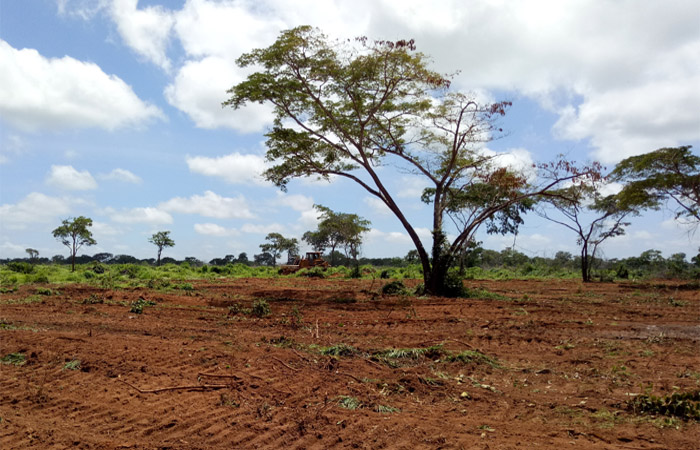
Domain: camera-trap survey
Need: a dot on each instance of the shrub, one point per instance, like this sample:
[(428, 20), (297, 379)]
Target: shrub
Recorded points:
[(138, 305), (260, 308), (394, 288), (20, 267), (314, 272), (454, 286)]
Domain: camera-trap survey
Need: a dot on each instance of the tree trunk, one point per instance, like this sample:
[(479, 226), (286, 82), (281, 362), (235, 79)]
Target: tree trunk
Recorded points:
[(158, 261), (585, 269)]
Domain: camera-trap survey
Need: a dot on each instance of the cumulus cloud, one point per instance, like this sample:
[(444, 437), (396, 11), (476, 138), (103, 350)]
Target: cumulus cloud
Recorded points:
[(625, 89), (146, 215), (200, 87), (146, 31), (32, 209), (105, 229), (121, 175), (235, 168), (38, 93), (70, 179), (210, 205), (212, 229)]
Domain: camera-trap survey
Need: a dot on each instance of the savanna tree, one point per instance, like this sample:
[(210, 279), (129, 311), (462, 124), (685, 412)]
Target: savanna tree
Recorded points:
[(277, 244), (74, 233), (662, 175), (594, 218), (337, 230), (345, 109), (161, 240), (33, 254)]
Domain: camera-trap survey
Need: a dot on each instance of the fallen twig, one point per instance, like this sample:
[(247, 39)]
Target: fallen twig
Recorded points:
[(177, 388), (284, 364), (348, 375)]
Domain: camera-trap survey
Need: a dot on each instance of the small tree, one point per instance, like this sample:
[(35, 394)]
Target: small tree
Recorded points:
[(277, 244), (593, 217), (161, 240), (33, 254), (337, 229), (74, 233)]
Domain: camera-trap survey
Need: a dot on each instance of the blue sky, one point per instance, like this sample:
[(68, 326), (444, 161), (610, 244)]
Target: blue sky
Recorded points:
[(111, 110)]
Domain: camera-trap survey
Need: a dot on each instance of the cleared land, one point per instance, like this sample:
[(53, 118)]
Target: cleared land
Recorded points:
[(524, 364)]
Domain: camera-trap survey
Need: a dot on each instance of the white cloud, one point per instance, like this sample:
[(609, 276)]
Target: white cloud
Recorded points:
[(212, 229), (68, 178), (377, 206), (411, 187), (83, 9), (629, 121), (104, 229), (32, 209), (210, 205), (225, 29), (39, 93), (297, 202), (147, 215), (263, 228), (121, 175), (234, 168), (146, 31), (199, 89)]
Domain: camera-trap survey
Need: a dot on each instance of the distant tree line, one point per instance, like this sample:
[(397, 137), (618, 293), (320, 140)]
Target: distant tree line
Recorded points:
[(649, 263)]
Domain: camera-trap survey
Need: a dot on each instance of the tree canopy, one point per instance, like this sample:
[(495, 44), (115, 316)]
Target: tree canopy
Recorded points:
[(74, 233), (665, 174), (337, 230), (277, 244), (347, 108), (161, 240)]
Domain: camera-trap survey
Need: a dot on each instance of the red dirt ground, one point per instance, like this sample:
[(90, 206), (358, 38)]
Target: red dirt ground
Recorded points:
[(569, 357)]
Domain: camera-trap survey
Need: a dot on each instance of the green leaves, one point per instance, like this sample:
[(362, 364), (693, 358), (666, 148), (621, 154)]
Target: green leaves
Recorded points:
[(664, 174)]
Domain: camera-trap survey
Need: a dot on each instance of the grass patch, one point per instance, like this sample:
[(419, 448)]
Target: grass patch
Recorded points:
[(483, 294), (347, 402), (16, 359), (472, 357), (433, 352), (338, 350), (72, 365)]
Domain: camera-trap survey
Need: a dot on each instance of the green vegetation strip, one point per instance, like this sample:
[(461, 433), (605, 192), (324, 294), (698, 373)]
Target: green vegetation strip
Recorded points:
[(394, 357), (684, 405)]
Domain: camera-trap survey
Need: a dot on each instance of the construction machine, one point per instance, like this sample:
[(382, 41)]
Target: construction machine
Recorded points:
[(312, 259)]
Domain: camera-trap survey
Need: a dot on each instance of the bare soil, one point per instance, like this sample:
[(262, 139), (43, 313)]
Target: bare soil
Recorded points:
[(197, 370)]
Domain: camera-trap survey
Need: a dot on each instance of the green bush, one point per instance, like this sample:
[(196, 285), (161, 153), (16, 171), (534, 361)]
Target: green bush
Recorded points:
[(394, 288), (260, 308), (454, 286), (20, 267)]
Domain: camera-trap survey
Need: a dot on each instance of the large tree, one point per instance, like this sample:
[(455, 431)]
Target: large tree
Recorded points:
[(347, 108), (161, 240), (74, 233), (662, 175), (277, 244)]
